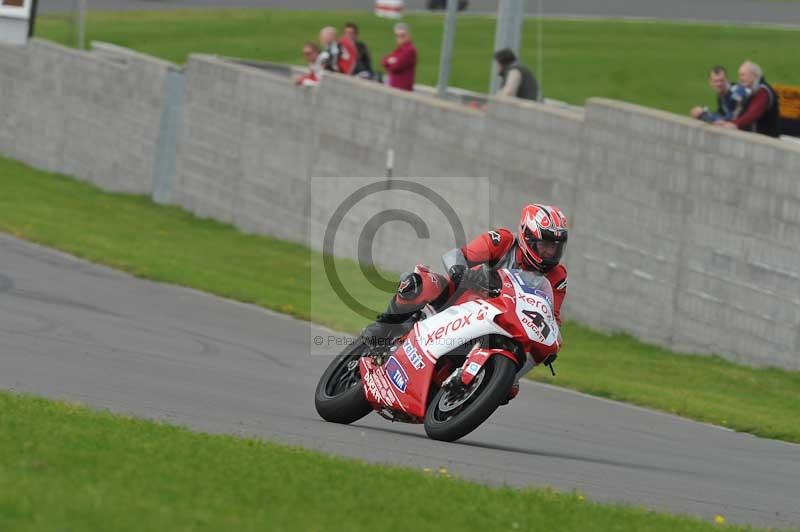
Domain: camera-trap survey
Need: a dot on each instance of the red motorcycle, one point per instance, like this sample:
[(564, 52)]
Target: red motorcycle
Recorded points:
[(453, 368)]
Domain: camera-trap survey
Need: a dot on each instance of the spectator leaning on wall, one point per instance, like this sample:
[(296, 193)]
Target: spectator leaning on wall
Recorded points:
[(363, 61), (730, 98), (311, 55), (338, 55), (518, 80), (401, 64), (760, 113)]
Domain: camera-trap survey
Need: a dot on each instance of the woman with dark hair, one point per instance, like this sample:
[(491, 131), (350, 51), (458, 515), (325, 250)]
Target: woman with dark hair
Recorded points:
[(518, 80)]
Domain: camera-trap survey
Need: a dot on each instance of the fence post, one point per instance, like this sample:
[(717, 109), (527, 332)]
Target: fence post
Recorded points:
[(508, 34), (81, 24), (447, 48), (165, 165)]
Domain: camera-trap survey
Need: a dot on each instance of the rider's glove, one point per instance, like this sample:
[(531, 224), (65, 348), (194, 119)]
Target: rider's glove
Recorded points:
[(456, 273)]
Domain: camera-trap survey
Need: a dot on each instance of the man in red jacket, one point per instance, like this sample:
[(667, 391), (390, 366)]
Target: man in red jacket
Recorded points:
[(538, 246), (761, 112), (402, 62), (337, 55)]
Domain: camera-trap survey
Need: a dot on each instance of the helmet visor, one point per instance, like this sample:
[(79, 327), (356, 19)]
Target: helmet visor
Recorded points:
[(549, 251)]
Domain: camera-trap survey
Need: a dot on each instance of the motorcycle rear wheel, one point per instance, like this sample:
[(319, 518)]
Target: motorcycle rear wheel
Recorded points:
[(448, 420), (339, 397)]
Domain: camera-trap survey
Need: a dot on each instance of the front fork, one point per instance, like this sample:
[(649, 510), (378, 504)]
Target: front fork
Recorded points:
[(477, 358)]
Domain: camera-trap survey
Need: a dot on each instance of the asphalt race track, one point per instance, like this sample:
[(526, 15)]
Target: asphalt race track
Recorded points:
[(69, 329), (747, 11)]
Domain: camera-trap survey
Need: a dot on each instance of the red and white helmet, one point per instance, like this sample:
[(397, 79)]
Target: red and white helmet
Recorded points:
[(542, 236)]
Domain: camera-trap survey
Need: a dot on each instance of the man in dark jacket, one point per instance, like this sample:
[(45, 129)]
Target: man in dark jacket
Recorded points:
[(719, 83), (401, 64), (518, 80), (363, 61), (760, 113)]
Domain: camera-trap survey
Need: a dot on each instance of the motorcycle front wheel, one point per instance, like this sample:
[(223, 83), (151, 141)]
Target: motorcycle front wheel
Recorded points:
[(339, 397), (452, 415)]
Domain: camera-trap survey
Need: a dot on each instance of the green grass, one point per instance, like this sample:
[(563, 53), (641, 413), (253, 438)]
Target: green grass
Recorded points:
[(167, 244), (64, 467), (661, 65), (762, 401)]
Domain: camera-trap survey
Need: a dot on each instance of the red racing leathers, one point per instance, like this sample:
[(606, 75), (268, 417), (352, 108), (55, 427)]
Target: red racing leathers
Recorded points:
[(498, 249)]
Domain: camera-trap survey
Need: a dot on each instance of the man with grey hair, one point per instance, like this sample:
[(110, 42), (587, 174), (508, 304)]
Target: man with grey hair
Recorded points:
[(760, 113), (401, 64), (338, 55)]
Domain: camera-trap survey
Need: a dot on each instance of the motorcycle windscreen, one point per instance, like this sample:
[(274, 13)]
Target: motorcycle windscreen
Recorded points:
[(534, 283), (535, 306)]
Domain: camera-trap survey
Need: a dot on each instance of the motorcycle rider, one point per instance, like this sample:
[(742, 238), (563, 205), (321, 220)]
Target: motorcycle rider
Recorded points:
[(538, 246)]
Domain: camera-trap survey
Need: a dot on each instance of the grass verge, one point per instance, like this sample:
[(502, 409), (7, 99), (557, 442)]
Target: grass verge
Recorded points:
[(660, 65), (105, 472), (170, 245)]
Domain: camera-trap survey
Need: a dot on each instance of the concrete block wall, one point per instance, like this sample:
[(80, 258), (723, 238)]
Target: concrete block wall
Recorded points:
[(630, 221), (440, 140), (244, 153), (688, 235), (533, 151), (682, 234), (357, 124), (82, 114), (512, 147), (740, 286)]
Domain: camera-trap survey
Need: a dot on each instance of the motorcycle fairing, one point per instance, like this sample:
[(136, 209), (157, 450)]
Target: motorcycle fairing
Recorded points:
[(477, 359), (533, 312), (403, 381), (455, 326), (377, 387)]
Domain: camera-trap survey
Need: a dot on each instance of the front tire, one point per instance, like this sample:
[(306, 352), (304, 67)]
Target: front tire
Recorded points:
[(339, 397), (447, 419)]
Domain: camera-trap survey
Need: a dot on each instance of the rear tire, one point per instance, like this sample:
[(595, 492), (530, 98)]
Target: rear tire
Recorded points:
[(339, 397), (491, 391)]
